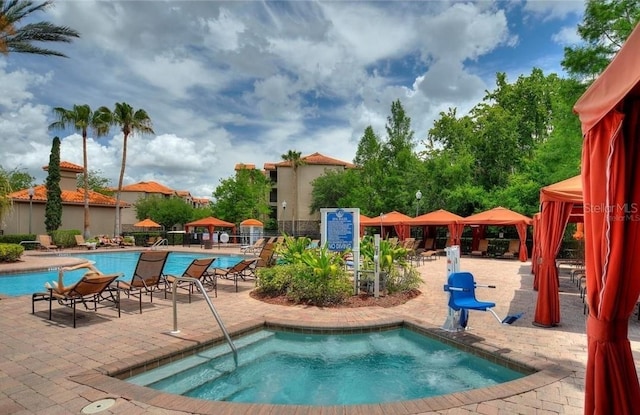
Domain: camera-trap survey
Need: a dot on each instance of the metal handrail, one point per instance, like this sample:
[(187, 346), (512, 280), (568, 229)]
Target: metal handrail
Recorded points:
[(198, 283), (162, 241)]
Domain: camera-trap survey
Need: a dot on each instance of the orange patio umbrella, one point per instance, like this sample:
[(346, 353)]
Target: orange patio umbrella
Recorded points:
[(147, 223)]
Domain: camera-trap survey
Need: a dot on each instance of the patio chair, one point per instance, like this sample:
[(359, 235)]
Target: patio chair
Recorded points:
[(80, 242), (513, 250), (252, 249), (429, 244), (46, 243), (91, 290), (483, 247), (197, 269), (265, 259), (147, 276), (239, 270)]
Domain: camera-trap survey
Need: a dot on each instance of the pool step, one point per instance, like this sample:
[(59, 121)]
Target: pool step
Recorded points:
[(177, 369)]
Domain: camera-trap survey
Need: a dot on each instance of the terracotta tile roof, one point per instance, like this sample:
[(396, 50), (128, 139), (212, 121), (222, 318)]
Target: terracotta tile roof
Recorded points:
[(67, 166), (243, 166), (201, 200), (319, 159), (269, 166), (148, 187), (68, 197), (183, 193)]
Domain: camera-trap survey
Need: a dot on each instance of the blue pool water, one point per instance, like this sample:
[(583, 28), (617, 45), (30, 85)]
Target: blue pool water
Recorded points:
[(312, 369), (110, 262)]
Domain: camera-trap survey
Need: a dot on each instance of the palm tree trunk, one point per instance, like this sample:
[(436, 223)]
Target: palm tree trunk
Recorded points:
[(116, 231), (87, 233)]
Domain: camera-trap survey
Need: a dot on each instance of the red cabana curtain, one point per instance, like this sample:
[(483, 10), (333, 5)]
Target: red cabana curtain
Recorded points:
[(522, 233), (611, 181), (535, 252), (455, 231), (403, 231), (553, 221)]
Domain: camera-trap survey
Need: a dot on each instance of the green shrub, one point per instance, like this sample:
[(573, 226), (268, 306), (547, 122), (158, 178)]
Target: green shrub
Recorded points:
[(64, 238), (16, 238), (402, 279), (274, 281), (310, 288), (10, 252), (290, 251)]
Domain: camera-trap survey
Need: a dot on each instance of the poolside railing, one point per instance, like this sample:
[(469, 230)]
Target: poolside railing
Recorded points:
[(198, 283)]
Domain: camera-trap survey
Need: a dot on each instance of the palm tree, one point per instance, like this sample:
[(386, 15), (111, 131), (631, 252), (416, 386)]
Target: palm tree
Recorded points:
[(81, 118), (293, 157), (129, 121), (20, 39)]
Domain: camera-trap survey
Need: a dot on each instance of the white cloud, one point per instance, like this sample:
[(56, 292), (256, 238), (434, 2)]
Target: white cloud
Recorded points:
[(567, 36), (554, 9), (244, 82)]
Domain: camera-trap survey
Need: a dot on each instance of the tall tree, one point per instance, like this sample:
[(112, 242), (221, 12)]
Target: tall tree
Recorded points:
[(97, 182), (81, 118), (20, 39), (397, 155), (294, 159), (130, 121), (605, 27), (18, 178), (242, 196), (166, 211), (53, 208)]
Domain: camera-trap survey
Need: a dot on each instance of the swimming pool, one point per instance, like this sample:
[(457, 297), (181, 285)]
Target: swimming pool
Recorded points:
[(109, 262), (278, 367)]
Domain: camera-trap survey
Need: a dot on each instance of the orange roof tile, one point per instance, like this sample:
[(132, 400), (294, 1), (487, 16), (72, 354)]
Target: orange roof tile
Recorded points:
[(243, 166), (319, 159), (148, 187), (183, 193), (269, 166), (68, 196), (67, 166)]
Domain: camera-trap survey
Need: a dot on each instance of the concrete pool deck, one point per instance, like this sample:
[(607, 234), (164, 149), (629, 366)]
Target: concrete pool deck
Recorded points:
[(45, 365)]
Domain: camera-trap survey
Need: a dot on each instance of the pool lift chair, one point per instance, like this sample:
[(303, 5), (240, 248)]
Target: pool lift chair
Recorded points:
[(462, 298)]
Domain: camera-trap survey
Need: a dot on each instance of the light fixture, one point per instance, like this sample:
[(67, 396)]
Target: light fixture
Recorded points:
[(418, 197), (284, 210)]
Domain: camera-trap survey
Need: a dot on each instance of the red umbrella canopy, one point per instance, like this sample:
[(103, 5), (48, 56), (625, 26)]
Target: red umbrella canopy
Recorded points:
[(210, 221)]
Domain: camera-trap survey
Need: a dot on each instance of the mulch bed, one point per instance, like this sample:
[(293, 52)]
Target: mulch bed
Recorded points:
[(362, 300)]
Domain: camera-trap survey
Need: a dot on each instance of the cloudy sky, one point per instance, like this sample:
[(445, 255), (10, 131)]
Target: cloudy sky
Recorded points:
[(244, 82)]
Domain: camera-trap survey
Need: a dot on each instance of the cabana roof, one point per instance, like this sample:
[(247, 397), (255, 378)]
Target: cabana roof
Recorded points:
[(387, 219), (437, 217), (569, 190), (497, 216)]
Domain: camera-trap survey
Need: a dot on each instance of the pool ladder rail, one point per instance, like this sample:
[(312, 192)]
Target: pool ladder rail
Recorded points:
[(198, 283), (160, 242)]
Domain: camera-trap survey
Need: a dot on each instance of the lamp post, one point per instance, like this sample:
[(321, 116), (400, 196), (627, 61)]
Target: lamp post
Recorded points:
[(284, 216), (30, 192), (418, 197)]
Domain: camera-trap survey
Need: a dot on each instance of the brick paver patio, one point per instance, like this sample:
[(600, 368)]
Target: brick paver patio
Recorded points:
[(45, 366)]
